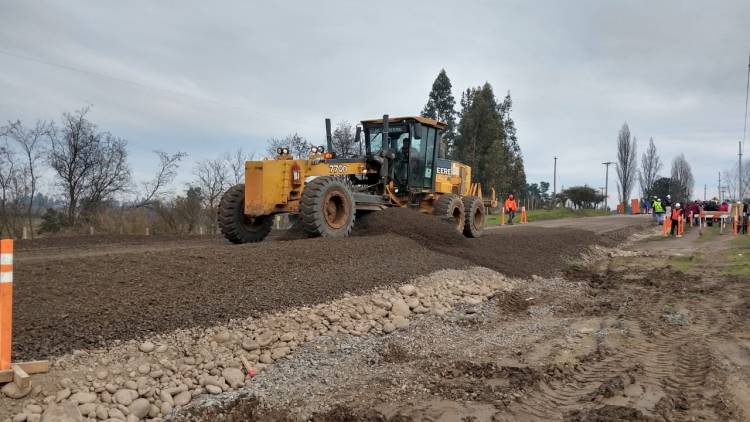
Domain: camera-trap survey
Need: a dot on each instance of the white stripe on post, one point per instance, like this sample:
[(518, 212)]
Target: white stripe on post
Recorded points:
[(6, 277), (6, 259)]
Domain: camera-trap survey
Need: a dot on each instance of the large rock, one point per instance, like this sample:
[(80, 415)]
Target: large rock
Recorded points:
[(182, 398), (139, 408), (125, 396), (400, 308), (147, 347), (407, 290), (67, 412), (83, 397), (250, 345), (13, 391), (234, 377)]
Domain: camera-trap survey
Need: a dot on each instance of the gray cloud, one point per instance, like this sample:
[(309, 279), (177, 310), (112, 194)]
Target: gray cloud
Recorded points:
[(206, 77)]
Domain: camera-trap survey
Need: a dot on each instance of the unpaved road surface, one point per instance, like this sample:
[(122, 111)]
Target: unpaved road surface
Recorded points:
[(74, 294), (656, 332)]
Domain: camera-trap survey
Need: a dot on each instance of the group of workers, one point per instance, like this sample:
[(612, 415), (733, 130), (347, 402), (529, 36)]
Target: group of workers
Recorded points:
[(676, 212)]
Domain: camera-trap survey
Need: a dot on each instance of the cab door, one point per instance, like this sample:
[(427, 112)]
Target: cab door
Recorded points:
[(422, 158)]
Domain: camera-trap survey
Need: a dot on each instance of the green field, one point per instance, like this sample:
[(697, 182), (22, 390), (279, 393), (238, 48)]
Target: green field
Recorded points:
[(737, 257), (553, 214)]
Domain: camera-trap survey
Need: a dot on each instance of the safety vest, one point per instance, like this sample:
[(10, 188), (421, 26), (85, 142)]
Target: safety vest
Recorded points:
[(658, 208), (676, 214)]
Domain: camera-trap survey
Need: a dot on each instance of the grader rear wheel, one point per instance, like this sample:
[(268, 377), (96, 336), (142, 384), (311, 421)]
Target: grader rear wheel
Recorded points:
[(234, 224), (327, 207), (450, 206), (474, 224)]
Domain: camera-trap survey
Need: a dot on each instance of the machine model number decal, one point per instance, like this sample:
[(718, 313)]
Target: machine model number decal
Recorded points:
[(337, 168)]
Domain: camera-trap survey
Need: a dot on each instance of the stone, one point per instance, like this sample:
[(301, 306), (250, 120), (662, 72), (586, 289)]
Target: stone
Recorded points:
[(222, 337), (165, 397), (101, 412), (131, 385), (83, 397), (101, 373), (407, 290), (13, 391), (144, 369), (250, 345), (115, 413), (287, 337), (105, 397), (412, 302), (153, 411), (34, 418), (332, 317), (87, 409), (400, 322), (139, 407), (67, 412), (279, 353), (34, 408), (421, 310), (166, 408), (234, 377), (132, 418), (125, 396), (21, 417), (111, 388), (381, 303), (266, 338), (265, 358), (388, 328), (62, 394), (212, 389), (400, 308), (182, 398), (147, 347)]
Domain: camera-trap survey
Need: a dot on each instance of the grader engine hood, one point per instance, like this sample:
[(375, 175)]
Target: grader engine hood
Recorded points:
[(274, 186)]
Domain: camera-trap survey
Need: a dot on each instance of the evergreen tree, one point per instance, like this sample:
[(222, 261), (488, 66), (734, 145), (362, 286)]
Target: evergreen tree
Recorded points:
[(515, 172), (480, 141), (441, 106)]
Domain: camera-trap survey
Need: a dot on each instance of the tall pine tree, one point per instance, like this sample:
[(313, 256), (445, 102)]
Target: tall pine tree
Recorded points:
[(515, 172), (441, 106)]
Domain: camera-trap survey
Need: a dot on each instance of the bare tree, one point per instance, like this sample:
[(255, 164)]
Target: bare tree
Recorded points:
[(32, 143), (298, 146), (236, 162), (91, 166), (650, 167), (343, 139), (627, 170), (683, 181), (9, 174), (212, 179), (156, 189)]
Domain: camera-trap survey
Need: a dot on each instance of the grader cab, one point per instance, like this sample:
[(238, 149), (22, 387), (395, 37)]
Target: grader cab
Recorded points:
[(399, 166)]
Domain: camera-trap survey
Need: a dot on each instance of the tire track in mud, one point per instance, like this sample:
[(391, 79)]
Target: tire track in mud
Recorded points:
[(673, 361)]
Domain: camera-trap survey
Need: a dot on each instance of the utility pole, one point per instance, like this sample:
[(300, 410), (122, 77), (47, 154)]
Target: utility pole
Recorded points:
[(606, 183), (601, 190), (705, 189), (719, 188), (554, 181), (739, 175)]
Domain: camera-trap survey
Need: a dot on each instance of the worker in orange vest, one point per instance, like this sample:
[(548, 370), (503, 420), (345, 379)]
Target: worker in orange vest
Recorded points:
[(676, 216), (511, 206)]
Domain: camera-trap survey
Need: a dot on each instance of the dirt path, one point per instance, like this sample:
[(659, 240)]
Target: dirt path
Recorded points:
[(656, 332)]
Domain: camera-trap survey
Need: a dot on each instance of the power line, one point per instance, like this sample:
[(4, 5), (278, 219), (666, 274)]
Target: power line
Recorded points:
[(149, 87)]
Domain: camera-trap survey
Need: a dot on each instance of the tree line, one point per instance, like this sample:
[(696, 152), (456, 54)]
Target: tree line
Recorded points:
[(90, 168)]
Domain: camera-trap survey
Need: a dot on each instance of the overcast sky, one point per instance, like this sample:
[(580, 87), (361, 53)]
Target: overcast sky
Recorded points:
[(206, 77)]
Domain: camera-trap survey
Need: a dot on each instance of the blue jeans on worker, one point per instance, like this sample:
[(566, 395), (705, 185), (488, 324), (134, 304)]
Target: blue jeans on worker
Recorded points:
[(511, 216), (660, 218)]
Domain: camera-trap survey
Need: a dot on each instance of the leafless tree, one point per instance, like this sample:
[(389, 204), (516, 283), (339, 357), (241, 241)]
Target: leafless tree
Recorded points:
[(650, 167), (32, 142), (343, 139), (627, 170), (157, 188), (9, 173), (236, 162), (682, 179), (298, 146), (212, 179), (91, 166)]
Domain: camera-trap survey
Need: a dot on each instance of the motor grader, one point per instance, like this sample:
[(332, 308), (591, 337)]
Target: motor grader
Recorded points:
[(401, 166)]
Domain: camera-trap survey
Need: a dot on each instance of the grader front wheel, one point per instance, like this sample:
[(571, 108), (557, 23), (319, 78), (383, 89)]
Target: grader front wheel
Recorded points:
[(327, 207), (234, 224), (474, 225)]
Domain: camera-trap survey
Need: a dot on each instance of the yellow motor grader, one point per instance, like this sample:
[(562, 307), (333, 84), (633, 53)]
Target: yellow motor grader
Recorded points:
[(399, 167)]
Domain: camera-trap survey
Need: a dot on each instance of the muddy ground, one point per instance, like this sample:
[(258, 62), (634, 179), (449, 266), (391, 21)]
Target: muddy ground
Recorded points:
[(657, 331), (74, 294)]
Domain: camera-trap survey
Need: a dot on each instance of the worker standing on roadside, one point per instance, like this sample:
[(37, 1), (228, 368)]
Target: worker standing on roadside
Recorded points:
[(658, 211), (511, 206), (676, 216), (668, 204)]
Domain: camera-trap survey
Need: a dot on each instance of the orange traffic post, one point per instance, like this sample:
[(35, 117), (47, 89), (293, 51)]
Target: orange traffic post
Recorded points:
[(523, 215), (502, 216), (6, 302), (692, 217), (680, 226), (667, 225), (9, 371), (735, 225)]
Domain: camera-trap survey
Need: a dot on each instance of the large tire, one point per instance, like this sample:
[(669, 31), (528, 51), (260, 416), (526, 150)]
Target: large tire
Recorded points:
[(327, 207), (234, 224), (449, 206), (474, 221)]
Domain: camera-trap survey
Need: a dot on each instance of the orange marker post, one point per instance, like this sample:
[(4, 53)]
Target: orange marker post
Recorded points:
[(667, 225), (680, 226), (523, 215), (502, 217), (6, 302)]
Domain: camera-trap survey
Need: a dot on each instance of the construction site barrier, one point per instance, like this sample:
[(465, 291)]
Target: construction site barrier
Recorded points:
[(680, 226), (523, 215), (720, 216), (667, 226), (16, 372)]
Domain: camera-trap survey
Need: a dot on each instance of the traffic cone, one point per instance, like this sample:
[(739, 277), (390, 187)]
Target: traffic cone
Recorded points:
[(667, 225), (680, 226)]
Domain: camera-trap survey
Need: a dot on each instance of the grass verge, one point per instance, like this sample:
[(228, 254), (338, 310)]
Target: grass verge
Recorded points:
[(553, 214), (737, 257)]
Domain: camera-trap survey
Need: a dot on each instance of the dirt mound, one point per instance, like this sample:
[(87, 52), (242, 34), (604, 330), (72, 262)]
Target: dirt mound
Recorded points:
[(241, 409), (424, 228)]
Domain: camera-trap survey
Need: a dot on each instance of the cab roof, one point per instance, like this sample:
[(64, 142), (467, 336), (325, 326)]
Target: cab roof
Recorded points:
[(424, 120)]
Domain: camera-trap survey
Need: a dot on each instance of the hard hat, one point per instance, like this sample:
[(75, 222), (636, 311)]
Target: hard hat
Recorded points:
[(677, 205), (669, 196)]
